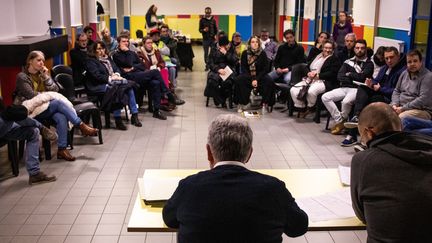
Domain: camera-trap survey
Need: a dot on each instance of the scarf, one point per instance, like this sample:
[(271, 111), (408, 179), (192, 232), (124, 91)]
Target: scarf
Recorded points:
[(150, 56), (264, 43), (106, 62), (252, 56)]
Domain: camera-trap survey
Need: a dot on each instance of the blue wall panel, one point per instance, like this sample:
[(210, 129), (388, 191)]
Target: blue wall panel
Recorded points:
[(113, 27), (244, 26)]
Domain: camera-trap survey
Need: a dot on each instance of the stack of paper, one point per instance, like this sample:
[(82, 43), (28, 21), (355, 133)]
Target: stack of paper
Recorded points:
[(157, 190)]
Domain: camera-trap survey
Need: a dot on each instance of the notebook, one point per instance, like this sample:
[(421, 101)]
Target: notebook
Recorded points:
[(156, 191), (344, 174)]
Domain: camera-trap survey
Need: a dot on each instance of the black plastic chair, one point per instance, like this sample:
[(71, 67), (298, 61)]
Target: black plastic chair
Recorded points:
[(59, 69)]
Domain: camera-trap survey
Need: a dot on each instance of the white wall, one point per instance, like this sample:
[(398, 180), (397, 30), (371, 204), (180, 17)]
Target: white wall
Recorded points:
[(175, 7), (75, 12), (364, 12), (309, 10), (31, 17), (395, 14), (7, 20)]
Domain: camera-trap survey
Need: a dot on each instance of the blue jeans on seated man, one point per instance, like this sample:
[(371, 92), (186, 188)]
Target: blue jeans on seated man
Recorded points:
[(419, 125), (132, 105), (28, 130), (285, 78), (61, 114)]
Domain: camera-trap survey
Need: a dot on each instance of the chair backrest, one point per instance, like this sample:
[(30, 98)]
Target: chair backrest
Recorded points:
[(61, 69), (139, 34), (66, 85), (2, 105)]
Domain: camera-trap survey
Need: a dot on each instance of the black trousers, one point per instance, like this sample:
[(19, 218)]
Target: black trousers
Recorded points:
[(365, 96), (243, 88)]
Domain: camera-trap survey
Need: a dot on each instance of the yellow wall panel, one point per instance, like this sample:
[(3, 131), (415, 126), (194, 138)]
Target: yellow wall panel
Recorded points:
[(368, 35), (231, 25), (186, 26), (137, 23)]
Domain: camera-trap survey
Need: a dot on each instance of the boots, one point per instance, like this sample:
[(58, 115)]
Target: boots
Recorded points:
[(119, 124), (135, 121), (159, 115), (41, 178), (64, 154), (87, 130)]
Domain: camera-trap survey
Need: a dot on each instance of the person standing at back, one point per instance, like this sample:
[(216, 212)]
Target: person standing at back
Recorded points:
[(341, 29), (208, 28)]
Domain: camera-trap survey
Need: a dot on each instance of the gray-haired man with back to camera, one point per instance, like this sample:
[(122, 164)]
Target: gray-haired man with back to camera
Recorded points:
[(230, 203)]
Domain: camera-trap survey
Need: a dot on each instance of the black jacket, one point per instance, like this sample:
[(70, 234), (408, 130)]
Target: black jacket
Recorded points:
[(127, 59), (233, 204), (211, 24), (78, 60), (217, 60), (391, 188), (261, 65), (287, 56), (356, 70), (329, 71), (97, 74), (345, 54)]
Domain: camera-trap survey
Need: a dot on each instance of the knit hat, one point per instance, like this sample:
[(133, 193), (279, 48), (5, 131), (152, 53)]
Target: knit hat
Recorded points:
[(14, 113), (223, 40)]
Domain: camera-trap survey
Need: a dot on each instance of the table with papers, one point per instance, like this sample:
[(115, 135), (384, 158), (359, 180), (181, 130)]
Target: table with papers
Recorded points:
[(319, 192)]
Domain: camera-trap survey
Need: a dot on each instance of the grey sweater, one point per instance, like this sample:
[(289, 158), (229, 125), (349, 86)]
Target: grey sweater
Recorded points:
[(414, 92)]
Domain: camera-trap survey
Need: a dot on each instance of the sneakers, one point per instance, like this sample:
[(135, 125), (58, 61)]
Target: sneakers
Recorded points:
[(353, 123), (64, 154), (180, 102), (349, 141), (359, 147), (135, 121), (338, 128), (48, 134), (159, 115), (41, 178)]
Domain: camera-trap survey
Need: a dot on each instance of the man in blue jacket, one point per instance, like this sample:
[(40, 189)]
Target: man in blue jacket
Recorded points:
[(230, 203)]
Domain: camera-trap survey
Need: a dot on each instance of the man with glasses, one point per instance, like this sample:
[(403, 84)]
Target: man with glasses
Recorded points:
[(353, 72), (208, 28), (78, 56)]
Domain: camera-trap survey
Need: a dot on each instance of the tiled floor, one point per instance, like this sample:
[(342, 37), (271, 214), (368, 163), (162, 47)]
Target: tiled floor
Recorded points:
[(93, 197)]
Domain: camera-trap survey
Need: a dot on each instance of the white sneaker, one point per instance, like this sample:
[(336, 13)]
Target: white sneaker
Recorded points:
[(239, 108)]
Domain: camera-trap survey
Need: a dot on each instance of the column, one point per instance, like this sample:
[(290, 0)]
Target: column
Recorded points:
[(91, 16), (113, 17)]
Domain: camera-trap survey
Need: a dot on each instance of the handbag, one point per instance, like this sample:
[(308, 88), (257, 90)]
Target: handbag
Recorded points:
[(304, 91), (255, 99)]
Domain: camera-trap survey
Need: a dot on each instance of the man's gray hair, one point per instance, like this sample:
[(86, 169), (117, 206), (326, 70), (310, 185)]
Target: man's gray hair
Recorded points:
[(351, 35), (230, 138)]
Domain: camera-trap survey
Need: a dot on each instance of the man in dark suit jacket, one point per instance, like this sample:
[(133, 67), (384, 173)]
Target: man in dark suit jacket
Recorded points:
[(230, 203)]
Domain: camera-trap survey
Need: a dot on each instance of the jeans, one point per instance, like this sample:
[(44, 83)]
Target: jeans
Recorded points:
[(346, 95), (28, 130), (61, 114), (132, 104), (422, 126), (275, 76), (151, 80)]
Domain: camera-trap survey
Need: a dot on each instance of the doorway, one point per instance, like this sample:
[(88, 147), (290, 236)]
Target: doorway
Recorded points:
[(265, 14)]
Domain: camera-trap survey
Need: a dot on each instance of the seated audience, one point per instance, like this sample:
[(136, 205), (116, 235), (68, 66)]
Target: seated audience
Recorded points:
[(16, 126), (356, 69), (347, 51), (230, 203), (413, 92), (132, 68), (378, 60), (132, 43), (78, 59), (318, 46), (322, 76), (103, 76), (88, 30), (269, 46), (165, 53), (31, 85), (222, 56), (288, 54), (239, 48), (170, 42), (254, 64), (390, 181), (379, 89), (109, 41)]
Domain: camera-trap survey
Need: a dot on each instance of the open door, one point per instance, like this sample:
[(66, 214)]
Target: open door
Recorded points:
[(265, 15)]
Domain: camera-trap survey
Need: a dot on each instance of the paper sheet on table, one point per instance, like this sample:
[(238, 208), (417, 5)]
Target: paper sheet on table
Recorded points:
[(157, 189), (228, 72), (330, 206), (344, 174)]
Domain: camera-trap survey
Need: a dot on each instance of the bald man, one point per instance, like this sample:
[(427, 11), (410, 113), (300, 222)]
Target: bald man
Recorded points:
[(391, 181)]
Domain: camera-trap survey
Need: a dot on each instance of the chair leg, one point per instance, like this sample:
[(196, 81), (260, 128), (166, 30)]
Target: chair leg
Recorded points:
[(47, 148), (107, 119), (71, 137), (13, 156), (21, 149), (126, 113), (328, 123), (207, 102), (97, 123)]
